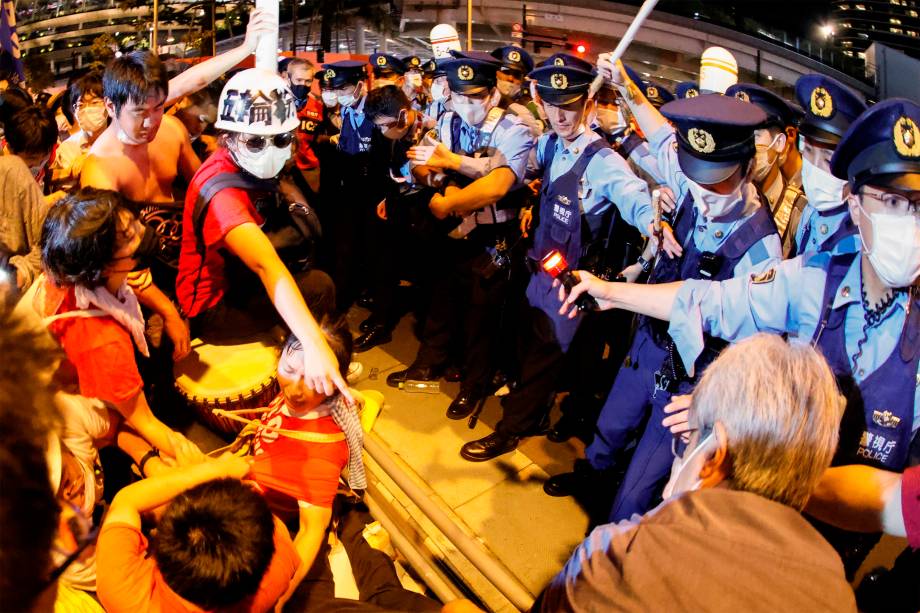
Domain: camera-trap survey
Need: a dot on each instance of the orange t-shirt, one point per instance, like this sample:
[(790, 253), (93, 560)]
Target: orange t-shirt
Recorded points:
[(128, 580), (100, 349)]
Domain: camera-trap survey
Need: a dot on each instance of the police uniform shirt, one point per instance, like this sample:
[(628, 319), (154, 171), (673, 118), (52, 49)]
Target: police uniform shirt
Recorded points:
[(786, 299), (509, 146), (640, 159), (607, 179), (822, 227), (435, 108), (709, 234), (353, 118)]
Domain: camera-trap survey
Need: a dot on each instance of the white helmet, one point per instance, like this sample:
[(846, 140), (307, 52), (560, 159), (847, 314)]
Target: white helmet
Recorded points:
[(718, 70), (256, 101)]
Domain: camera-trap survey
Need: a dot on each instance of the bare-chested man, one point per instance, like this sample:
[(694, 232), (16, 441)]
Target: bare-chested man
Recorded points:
[(142, 151)]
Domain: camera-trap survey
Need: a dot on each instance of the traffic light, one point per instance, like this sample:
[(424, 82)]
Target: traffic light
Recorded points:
[(581, 48)]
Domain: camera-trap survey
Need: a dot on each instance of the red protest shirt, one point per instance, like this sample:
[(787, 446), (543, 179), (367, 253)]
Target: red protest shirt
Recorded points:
[(128, 578), (201, 284), (99, 348), (302, 471), (310, 116)]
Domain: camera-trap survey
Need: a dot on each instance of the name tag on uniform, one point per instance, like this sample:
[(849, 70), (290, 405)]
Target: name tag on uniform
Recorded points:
[(885, 419)]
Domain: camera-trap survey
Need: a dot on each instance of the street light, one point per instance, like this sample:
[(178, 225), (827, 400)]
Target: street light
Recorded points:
[(827, 30)]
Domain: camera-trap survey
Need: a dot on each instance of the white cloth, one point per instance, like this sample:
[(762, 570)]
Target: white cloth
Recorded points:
[(122, 307)]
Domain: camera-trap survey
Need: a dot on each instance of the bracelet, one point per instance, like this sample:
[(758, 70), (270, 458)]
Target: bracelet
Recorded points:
[(645, 264), (152, 453)]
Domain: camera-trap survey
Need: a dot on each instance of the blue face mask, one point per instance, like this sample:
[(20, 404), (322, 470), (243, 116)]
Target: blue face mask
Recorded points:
[(681, 473)]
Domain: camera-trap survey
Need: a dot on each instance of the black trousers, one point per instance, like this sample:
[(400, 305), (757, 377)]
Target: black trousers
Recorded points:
[(466, 303), (374, 573)]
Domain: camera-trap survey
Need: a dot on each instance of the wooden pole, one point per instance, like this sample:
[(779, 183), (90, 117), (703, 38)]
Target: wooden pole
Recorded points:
[(469, 25)]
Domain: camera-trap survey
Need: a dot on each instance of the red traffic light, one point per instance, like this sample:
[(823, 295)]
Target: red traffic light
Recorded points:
[(581, 48)]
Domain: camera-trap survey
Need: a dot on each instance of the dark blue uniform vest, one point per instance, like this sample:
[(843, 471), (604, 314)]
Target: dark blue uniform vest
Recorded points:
[(878, 422), (355, 139), (847, 228), (696, 264), (563, 227)]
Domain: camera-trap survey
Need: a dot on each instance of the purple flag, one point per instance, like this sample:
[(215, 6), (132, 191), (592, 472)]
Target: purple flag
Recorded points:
[(9, 41)]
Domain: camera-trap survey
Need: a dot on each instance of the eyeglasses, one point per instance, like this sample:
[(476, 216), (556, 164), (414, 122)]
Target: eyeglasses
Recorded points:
[(256, 144), (895, 203)]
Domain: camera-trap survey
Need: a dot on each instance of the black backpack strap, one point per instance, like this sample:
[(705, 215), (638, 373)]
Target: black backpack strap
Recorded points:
[(836, 267), (629, 144), (757, 227), (549, 152), (210, 188)]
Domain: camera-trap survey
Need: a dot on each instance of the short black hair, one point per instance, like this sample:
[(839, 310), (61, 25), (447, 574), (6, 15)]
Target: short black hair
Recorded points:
[(386, 101), (79, 236), (89, 83), (31, 131), (214, 543), (337, 334), (12, 101), (132, 77)]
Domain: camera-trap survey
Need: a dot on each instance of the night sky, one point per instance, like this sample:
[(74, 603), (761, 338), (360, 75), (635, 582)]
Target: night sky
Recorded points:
[(775, 14)]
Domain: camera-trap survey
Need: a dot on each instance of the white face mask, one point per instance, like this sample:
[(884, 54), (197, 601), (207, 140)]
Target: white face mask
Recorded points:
[(350, 98), (679, 472), (439, 92), (414, 81), (329, 98), (895, 253), (610, 120), (824, 190), (264, 164), (711, 204), (509, 89), (473, 112), (762, 162), (92, 119)]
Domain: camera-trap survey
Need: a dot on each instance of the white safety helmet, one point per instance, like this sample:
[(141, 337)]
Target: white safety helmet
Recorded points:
[(256, 101), (718, 70)]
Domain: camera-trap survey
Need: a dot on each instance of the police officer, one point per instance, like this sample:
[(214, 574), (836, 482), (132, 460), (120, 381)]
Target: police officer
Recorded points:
[(658, 95), (862, 310), (388, 70), (724, 230), (483, 197), (777, 165), (516, 64), (413, 82), (830, 108), (351, 200), (438, 90), (585, 184)]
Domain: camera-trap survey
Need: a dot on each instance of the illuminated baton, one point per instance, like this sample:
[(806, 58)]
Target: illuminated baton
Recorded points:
[(554, 265), (267, 48), (647, 7)]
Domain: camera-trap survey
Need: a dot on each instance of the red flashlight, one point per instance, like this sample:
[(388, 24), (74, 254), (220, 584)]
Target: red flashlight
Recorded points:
[(555, 265)]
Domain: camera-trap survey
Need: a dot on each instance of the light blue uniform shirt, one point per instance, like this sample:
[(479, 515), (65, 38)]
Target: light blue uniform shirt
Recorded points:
[(709, 234), (607, 179), (822, 228), (509, 146), (786, 301)]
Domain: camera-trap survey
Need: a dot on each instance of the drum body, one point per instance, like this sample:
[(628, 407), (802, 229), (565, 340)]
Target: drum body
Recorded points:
[(228, 377)]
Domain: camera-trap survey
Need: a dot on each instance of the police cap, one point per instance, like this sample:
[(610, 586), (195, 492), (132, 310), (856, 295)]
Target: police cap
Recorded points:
[(386, 64), (346, 72), (564, 59), (780, 112), (656, 94), (561, 85), (715, 134), (412, 62), (687, 89), (882, 147), (471, 72), (513, 59), (830, 107)]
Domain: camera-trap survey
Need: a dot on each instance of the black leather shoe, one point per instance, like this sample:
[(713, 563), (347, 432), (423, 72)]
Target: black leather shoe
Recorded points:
[(566, 428), (489, 447), (463, 405), (378, 335), (568, 484), (414, 373), (367, 324)]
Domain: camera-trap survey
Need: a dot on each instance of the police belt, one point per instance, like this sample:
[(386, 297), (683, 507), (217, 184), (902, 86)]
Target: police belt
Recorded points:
[(488, 216)]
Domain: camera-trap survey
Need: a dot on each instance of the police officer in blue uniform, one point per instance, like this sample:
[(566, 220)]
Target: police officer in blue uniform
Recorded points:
[(438, 90), (862, 310), (777, 165), (825, 224), (658, 95), (353, 197), (483, 153), (585, 184), (724, 231), (388, 69), (516, 64)]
